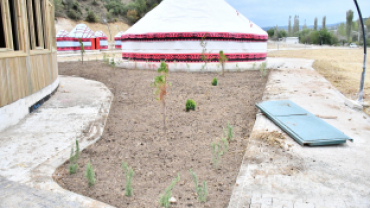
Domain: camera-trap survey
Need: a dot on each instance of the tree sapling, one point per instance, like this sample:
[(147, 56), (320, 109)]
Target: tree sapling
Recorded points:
[(82, 49), (222, 59), (160, 84)]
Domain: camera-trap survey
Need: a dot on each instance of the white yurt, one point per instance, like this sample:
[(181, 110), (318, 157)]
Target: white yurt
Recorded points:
[(174, 29), (62, 33), (101, 40), (117, 39), (85, 33)]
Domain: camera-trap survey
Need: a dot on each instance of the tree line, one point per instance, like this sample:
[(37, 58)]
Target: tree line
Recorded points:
[(348, 32)]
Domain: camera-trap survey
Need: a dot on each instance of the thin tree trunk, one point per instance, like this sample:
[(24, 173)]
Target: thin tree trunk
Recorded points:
[(164, 114), (223, 71)]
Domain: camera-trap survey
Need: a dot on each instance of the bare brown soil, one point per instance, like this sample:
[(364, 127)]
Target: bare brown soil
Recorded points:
[(134, 134)]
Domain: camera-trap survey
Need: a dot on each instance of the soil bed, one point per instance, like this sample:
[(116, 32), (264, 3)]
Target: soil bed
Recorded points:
[(134, 134)]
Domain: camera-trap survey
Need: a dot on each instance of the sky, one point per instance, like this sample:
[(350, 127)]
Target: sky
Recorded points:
[(266, 13)]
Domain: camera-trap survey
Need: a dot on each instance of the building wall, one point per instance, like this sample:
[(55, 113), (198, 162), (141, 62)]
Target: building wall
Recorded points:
[(30, 69)]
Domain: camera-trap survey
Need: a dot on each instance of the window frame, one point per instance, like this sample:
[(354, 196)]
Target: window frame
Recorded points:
[(7, 27), (8, 33), (44, 34)]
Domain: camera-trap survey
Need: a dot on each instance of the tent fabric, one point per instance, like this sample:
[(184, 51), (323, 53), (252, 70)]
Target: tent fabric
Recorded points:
[(62, 33), (117, 39), (175, 28), (102, 38), (73, 44)]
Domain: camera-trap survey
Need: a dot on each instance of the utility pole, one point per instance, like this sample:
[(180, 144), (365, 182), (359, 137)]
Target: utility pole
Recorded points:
[(362, 82)]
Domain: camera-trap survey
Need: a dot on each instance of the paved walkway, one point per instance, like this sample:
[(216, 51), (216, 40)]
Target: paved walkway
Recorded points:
[(278, 172), (33, 149)]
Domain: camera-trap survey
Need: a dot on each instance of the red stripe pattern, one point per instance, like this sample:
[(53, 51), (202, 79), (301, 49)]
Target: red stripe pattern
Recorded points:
[(195, 36), (233, 57)]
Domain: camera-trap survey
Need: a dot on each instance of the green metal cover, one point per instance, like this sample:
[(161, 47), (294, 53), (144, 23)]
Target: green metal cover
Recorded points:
[(301, 125)]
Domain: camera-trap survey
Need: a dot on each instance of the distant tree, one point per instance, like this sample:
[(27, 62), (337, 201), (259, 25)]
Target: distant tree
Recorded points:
[(324, 22), (315, 24), (367, 23), (342, 29), (290, 26), (282, 34), (354, 26), (276, 33), (296, 25), (349, 19), (270, 32)]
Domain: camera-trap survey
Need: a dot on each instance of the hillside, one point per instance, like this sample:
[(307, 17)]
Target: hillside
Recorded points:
[(99, 11)]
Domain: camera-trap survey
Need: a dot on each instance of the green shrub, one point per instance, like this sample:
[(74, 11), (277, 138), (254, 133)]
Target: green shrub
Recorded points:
[(91, 17), (74, 15), (190, 105), (214, 81), (89, 174), (165, 197), (202, 191)]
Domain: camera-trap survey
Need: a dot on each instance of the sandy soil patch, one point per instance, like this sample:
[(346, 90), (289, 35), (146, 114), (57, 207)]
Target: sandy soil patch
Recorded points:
[(134, 134)]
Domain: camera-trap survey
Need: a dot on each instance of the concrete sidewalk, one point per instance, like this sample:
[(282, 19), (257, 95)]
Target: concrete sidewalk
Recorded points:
[(278, 172), (33, 149)]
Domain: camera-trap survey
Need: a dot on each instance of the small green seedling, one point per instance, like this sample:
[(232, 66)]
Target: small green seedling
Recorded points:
[(263, 69), (214, 81), (222, 59), (217, 152), (73, 159), (90, 175), (225, 145), (202, 191), (129, 172), (190, 105), (72, 162), (229, 133), (164, 199)]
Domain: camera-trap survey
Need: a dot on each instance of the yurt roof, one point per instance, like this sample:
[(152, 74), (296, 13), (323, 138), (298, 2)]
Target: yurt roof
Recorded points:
[(62, 33), (100, 34), (194, 16), (81, 31), (119, 34)]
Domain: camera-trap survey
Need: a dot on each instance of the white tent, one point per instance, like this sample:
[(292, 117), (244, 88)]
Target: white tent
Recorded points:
[(81, 31), (173, 31), (99, 34), (62, 33), (117, 39)]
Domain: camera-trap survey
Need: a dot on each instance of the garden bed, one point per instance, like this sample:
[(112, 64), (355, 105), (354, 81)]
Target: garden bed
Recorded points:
[(134, 134)]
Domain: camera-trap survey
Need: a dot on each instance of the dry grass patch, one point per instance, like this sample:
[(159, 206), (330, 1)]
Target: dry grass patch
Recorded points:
[(341, 67)]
